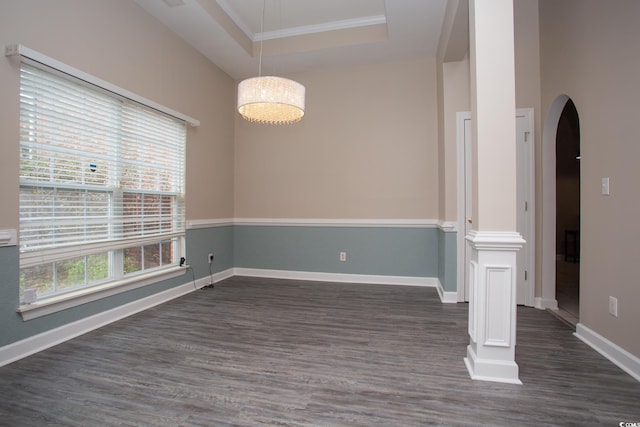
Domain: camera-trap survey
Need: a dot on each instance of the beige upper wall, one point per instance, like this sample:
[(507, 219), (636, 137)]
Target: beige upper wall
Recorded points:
[(589, 52), (119, 42), (456, 99), (366, 149), (453, 97)]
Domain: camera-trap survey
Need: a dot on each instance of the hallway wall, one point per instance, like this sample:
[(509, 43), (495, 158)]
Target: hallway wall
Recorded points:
[(589, 52)]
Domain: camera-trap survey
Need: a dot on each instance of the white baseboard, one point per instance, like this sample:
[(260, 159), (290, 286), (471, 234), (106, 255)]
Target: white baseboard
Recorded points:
[(616, 354), (500, 371), (544, 303), (215, 278), (28, 346), (337, 277), (445, 296)]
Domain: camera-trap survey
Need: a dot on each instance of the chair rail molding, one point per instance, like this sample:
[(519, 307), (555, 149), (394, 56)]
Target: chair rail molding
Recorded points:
[(8, 237)]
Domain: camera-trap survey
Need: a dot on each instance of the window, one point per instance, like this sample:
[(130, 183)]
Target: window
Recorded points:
[(101, 185)]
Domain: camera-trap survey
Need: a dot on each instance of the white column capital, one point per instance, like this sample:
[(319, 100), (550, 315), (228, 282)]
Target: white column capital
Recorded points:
[(495, 240)]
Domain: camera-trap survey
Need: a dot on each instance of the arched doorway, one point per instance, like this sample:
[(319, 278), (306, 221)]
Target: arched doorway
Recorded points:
[(560, 147), (568, 213)]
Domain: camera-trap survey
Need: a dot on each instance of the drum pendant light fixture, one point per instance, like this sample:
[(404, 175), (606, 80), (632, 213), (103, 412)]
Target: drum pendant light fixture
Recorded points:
[(270, 99)]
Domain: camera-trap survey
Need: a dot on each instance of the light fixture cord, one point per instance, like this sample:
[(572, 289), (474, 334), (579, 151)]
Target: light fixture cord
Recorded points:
[(261, 38)]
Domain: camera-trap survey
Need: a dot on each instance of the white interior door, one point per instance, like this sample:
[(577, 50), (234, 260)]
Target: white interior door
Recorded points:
[(468, 201), (525, 285)]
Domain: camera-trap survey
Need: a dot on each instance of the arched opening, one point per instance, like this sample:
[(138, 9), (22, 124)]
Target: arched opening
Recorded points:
[(568, 213), (560, 213)]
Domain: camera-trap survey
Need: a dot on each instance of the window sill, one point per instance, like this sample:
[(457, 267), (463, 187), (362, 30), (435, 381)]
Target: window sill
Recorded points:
[(73, 299)]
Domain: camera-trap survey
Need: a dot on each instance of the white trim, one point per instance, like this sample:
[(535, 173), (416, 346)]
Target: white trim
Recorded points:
[(491, 370), (445, 296), (461, 117), (544, 303), (68, 300), (316, 222), (194, 224), (302, 30), (530, 225), (28, 346), (344, 24), (39, 58), (616, 354), (8, 237), (38, 257), (231, 13), (214, 278), (492, 306), (448, 226), (495, 240), (429, 282)]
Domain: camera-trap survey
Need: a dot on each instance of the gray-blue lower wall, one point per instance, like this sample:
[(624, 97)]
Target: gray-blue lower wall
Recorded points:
[(447, 260), (385, 251), (202, 241)]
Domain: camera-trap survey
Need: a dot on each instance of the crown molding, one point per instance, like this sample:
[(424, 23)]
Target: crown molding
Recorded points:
[(321, 28)]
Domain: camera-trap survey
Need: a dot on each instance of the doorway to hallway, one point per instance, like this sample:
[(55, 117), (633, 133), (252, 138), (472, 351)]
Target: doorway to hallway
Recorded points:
[(568, 214)]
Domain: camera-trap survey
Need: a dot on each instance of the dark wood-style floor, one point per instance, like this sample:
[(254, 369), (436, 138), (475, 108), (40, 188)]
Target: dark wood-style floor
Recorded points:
[(255, 352)]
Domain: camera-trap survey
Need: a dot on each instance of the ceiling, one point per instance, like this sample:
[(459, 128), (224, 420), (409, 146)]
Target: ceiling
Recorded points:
[(300, 35)]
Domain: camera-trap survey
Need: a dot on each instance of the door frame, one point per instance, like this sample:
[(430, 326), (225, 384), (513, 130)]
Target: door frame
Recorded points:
[(528, 188), (462, 279)]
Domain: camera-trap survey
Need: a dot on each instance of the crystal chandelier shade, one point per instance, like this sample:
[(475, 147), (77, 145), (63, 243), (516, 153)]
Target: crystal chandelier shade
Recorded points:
[(271, 100), (268, 99)]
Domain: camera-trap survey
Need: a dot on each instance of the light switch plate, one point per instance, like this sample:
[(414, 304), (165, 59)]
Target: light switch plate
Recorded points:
[(605, 186), (613, 306)]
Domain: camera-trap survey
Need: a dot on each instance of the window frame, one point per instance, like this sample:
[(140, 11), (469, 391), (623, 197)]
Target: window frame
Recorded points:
[(121, 281)]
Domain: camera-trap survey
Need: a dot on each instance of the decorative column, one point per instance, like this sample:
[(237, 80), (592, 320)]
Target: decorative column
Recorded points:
[(492, 306), (494, 240)]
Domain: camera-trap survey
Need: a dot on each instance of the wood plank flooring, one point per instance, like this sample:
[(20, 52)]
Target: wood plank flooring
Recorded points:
[(256, 352)]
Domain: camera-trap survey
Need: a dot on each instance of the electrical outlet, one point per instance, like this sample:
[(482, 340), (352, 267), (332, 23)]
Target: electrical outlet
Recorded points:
[(613, 306), (210, 258), (343, 256)]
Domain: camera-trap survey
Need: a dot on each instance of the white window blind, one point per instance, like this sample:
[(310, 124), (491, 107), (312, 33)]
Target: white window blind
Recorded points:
[(98, 172)]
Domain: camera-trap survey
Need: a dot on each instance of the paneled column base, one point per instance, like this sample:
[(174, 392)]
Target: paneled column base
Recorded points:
[(492, 306), (503, 371)]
